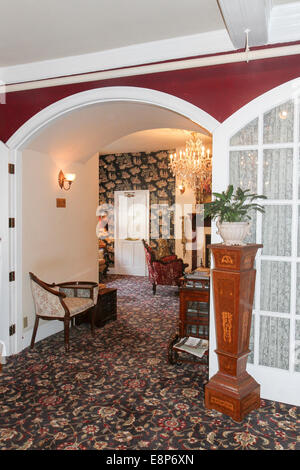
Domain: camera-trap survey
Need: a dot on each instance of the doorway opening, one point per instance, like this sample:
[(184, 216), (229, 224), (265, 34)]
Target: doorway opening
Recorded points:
[(132, 226), (67, 136)]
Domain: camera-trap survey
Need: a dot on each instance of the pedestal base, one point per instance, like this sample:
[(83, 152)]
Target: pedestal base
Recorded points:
[(233, 396)]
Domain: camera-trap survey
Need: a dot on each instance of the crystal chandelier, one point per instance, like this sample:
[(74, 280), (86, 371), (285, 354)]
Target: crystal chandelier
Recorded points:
[(192, 167)]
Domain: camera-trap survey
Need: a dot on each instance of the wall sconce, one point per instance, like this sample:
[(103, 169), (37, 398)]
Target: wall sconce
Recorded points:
[(66, 180), (181, 188)]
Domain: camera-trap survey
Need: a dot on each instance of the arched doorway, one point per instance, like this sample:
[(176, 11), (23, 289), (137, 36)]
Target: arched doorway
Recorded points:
[(12, 153)]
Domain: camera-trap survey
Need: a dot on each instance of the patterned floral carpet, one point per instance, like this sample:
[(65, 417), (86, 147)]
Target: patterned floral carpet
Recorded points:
[(118, 391)]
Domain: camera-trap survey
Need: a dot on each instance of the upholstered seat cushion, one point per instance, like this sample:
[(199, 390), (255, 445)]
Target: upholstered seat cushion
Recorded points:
[(78, 304)]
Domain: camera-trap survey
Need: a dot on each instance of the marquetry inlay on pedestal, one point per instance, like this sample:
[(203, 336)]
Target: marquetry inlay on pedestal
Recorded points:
[(232, 390)]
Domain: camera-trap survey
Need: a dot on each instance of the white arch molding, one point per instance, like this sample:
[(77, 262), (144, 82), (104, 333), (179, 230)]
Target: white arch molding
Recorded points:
[(22, 136), (104, 95)]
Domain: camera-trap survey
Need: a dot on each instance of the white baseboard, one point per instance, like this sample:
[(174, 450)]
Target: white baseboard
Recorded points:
[(44, 331)]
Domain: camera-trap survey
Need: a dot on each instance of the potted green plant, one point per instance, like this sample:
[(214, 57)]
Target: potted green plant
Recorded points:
[(231, 210)]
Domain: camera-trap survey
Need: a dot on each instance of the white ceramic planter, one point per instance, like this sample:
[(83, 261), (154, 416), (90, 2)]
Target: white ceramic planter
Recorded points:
[(233, 233)]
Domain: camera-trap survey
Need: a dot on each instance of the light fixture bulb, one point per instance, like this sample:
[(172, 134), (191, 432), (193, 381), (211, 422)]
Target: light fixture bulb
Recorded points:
[(70, 176), (181, 188), (283, 114)]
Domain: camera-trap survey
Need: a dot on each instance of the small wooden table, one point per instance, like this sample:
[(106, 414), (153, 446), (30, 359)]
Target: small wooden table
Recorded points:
[(193, 315), (106, 309), (106, 306)]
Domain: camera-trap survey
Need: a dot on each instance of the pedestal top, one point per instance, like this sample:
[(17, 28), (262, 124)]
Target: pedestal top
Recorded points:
[(234, 247), (234, 257)]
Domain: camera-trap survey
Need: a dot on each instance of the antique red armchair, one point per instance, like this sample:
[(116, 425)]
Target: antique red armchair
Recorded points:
[(165, 271)]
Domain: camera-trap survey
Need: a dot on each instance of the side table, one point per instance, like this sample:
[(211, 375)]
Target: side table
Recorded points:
[(106, 306), (106, 309), (193, 315)]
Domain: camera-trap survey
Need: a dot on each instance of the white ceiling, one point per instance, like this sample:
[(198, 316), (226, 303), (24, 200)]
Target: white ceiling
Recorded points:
[(281, 2), (37, 37), (154, 139), (35, 30), (113, 128), (42, 39)]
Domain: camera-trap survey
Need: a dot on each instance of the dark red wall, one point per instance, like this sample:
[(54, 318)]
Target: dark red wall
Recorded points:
[(219, 90)]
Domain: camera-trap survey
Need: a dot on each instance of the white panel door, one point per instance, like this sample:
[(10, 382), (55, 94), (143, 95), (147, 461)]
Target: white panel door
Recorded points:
[(4, 248), (258, 148), (131, 226)]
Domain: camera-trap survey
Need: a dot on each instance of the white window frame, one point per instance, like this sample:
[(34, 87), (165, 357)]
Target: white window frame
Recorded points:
[(276, 384)]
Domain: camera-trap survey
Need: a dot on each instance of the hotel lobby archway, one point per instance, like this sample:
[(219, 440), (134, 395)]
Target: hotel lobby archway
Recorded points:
[(275, 381), (33, 130)]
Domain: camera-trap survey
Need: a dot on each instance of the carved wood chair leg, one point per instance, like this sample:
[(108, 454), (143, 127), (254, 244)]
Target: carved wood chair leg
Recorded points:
[(171, 353), (92, 319), (36, 324), (154, 289), (66, 334)]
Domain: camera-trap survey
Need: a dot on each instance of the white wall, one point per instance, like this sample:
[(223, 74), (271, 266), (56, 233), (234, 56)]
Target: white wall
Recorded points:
[(58, 244)]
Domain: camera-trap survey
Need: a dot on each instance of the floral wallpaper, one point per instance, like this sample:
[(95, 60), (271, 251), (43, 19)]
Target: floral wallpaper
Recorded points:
[(138, 171)]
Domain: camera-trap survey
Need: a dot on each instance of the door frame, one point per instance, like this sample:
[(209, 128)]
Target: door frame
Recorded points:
[(6, 287)]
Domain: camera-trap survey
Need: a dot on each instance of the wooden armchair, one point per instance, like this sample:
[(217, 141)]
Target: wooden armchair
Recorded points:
[(164, 271), (62, 302)]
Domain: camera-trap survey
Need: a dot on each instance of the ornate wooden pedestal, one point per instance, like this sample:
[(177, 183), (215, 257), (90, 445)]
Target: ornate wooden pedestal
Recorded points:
[(232, 390)]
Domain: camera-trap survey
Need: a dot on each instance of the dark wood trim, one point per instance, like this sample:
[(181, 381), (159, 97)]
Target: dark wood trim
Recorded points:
[(46, 286)]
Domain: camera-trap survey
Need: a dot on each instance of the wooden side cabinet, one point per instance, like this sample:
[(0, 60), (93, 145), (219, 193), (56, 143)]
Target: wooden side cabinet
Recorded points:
[(106, 306), (106, 309), (232, 390), (193, 317), (194, 312)]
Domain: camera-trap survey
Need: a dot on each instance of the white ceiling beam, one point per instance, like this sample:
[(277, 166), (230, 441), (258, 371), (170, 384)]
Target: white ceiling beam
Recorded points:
[(260, 54), (242, 15)]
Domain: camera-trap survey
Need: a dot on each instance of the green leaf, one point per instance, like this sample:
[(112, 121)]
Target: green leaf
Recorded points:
[(230, 206)]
